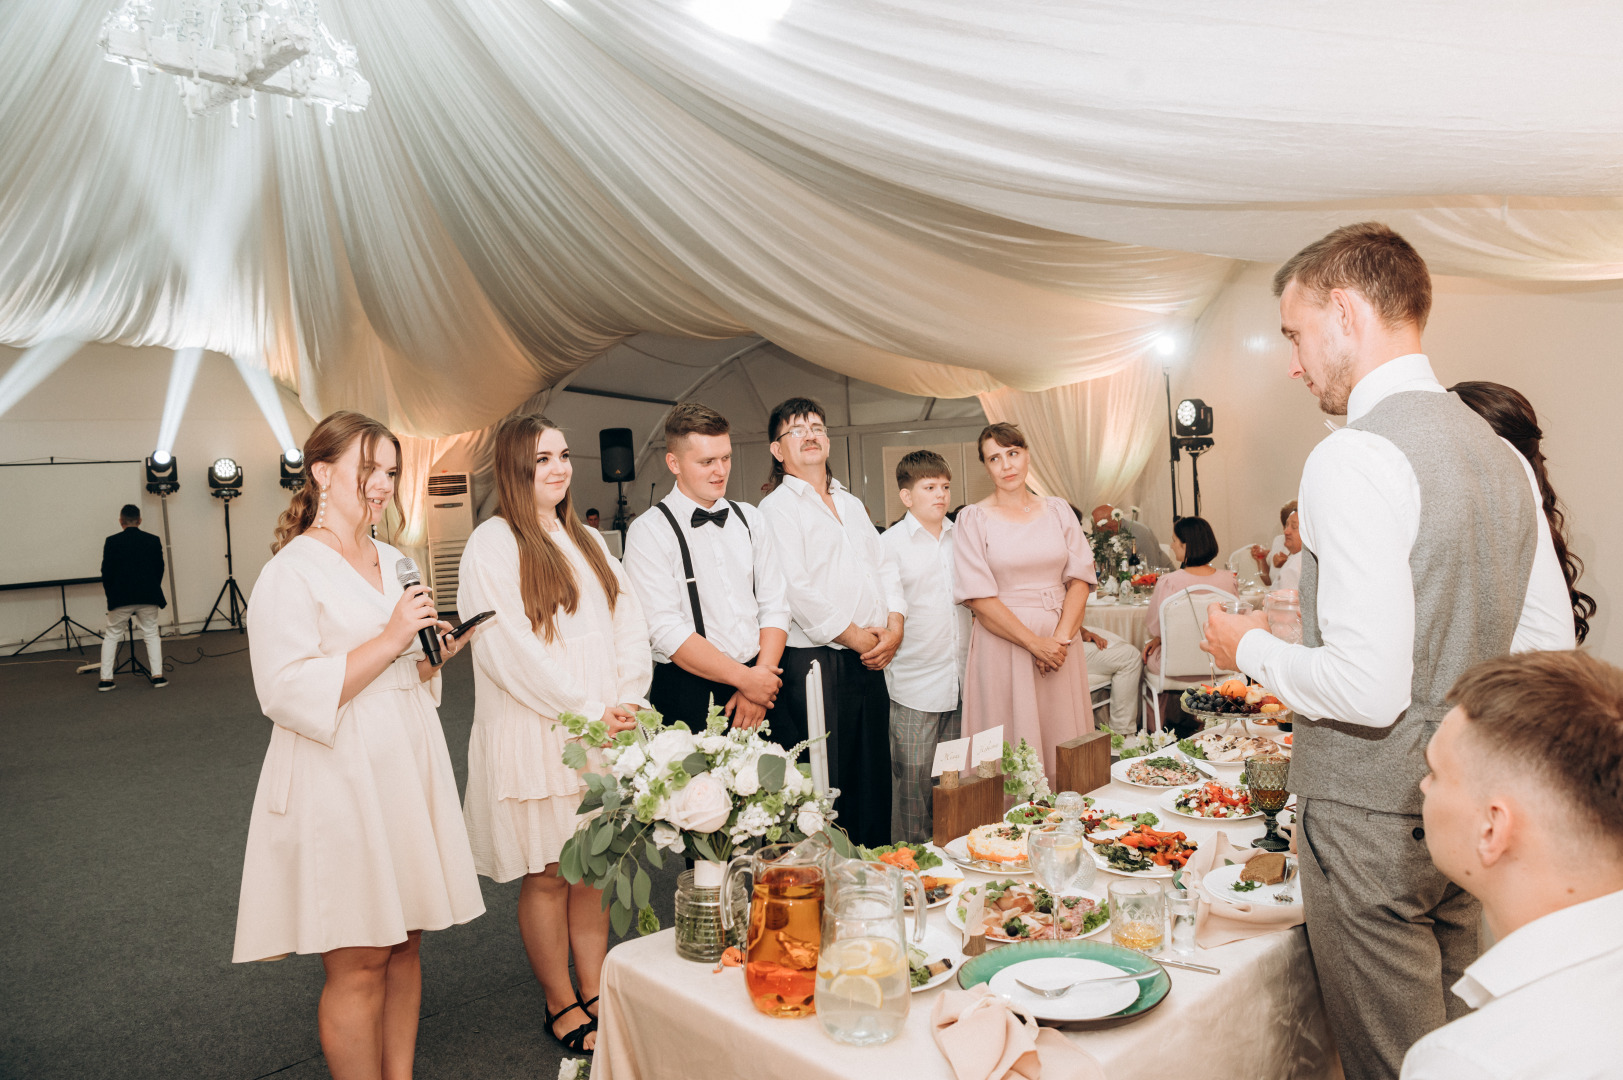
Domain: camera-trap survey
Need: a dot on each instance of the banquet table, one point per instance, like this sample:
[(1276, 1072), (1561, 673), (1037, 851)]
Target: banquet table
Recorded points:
[(665, 1018), (1126, 619)]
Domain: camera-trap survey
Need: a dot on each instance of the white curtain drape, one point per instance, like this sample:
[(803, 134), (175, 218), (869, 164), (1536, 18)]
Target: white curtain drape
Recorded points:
[(943, 197), (1090, 440)]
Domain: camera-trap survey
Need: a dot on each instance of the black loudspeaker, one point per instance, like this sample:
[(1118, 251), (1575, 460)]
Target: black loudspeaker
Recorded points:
[(619, 459)]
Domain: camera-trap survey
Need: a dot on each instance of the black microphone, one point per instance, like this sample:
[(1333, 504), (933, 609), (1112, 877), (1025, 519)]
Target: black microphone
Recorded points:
[(428, 636)]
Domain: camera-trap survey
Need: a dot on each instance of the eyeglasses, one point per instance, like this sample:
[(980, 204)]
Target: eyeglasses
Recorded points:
[(799, 432)]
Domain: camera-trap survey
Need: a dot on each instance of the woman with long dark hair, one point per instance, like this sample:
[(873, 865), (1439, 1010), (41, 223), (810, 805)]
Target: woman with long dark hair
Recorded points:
[(1511, 416), (356, 844), (569, 636)]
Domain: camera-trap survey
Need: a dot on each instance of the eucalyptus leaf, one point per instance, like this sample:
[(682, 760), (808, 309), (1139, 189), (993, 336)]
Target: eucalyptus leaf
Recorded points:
[(703, 847), (640, 885), (651, 852), (591, 801), (622, 887), (599, 868), (621, 918), (770, 769), (603, 837), (696, 763)]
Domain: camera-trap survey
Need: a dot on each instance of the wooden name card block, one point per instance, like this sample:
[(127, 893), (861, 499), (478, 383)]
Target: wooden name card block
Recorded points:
[(972, 802), (1083, 764)]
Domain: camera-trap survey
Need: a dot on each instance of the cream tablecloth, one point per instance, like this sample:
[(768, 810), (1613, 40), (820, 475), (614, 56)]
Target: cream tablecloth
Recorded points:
[(1126, 621), (665, 1018)]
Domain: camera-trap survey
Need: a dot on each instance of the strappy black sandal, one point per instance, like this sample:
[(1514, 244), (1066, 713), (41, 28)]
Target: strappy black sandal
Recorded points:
[(575, 1040), (586, 1006)]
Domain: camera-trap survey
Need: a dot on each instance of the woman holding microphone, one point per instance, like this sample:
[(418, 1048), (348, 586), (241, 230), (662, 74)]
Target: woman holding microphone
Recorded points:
[(569, 636), (355, 845)]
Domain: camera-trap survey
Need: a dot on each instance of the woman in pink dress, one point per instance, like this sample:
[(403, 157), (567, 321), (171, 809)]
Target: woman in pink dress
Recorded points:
[(1022, 565), (1194, 545)]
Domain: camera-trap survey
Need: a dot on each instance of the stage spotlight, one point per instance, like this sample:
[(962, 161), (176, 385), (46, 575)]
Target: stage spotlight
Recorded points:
[(163, 475), (293, 469), (1166, 344), (225, 479), (1194, 418)]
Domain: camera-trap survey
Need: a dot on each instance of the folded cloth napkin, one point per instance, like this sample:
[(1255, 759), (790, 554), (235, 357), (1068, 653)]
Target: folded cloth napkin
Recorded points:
[(1232, 920), (983, 1038)]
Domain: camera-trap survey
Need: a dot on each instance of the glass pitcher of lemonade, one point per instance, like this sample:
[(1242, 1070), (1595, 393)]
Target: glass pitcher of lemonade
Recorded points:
[(785, 924), (863, 989)]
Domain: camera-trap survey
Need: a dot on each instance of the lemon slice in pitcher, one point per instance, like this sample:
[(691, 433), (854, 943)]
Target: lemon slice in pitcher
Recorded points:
[(859, 990), (885, 958)]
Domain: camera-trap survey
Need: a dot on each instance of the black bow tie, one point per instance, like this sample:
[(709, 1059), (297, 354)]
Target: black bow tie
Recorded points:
[(718, 517)]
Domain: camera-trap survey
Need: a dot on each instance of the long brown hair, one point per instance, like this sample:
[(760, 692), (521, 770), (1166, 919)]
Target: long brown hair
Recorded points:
[(546, 579), (327, 443), (1512, 418)]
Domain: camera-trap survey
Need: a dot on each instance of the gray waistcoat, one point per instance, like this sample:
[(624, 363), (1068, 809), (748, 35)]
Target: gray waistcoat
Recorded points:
[(1471, 562)]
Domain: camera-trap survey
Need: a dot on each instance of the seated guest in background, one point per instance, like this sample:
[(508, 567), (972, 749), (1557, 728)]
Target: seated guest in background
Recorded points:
[(926, 676), (845, 612), (568, 636), (1194, 545), (1022, 564), (1512, 418), (1524, 810), (594, 520), (718, 615), (1290, 571), (1148, 547), (1279, 552), (1107, 654), (132, 578)]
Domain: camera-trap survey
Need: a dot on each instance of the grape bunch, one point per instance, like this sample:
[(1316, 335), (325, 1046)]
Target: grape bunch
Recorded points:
[(1219, 703)]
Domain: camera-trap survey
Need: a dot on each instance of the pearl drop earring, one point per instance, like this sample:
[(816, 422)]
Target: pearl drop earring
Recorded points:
[(321, 509)]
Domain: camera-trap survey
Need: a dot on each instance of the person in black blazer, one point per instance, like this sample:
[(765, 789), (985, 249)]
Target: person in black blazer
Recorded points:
[(132, 577)]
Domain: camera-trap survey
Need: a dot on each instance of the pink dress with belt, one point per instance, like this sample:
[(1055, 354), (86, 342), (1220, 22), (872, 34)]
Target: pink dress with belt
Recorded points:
[(1176, 582), (1027, 565)]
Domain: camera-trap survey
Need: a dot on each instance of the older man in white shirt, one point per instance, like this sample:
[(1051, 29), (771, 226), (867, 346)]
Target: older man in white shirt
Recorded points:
[(1523, 807), (1424, 552), (846, 612)]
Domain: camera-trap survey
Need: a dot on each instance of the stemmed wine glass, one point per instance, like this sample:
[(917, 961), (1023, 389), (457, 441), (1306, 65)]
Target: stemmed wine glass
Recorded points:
[(1056, 857), (1265, 777)]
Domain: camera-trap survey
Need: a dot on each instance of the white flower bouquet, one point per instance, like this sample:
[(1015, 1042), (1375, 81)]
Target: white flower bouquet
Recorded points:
[(1023, 772), (669, 790)]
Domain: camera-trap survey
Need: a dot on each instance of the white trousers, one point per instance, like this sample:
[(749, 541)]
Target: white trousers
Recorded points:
[(146, 616), (1125, 666)]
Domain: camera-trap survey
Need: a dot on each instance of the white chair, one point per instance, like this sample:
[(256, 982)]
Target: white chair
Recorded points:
[(1183, 665), (1166, 550), (1243, 565), (1096, 683)]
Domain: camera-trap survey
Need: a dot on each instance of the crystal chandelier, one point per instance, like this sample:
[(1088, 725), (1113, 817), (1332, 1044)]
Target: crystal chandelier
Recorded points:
[(223, 51)]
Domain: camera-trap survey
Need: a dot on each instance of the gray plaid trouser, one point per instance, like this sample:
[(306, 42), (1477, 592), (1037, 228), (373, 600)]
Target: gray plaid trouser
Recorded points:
[(913, 738)]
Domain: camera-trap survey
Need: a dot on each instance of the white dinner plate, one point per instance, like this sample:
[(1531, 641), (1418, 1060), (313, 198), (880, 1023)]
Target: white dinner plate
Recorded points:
[(938, 944), (958, 851), (1118, 771), (1103, 864), (1082, 1003), (1117, 806), (1219, 885), (1169, 803), (957, 920)]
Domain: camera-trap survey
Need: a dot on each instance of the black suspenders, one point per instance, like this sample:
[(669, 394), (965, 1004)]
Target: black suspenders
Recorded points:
[(687, 560)]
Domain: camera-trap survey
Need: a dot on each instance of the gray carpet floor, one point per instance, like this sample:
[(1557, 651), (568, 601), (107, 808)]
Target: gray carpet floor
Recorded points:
[(123, 818)]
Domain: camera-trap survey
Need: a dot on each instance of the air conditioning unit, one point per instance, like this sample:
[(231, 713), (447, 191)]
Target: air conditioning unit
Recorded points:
[(450, 523)]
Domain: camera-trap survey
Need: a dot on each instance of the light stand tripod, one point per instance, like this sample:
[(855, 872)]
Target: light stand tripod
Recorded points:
[(238, 604), (133, 665), (620, 521)]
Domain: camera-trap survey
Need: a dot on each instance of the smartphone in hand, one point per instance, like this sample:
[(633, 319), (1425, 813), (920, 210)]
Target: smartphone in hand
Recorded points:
[(470, 624)]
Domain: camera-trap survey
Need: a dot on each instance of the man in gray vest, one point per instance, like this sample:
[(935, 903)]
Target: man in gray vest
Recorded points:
[(1423, 553)]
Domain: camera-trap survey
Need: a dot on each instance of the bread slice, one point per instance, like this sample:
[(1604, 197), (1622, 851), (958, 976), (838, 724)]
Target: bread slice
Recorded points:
[(1269, 869)]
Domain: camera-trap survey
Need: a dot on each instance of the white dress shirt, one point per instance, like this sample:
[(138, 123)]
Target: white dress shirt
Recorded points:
[(834, 568), (928, 668), (741, 589), (1548, 1001), (1359, 512)]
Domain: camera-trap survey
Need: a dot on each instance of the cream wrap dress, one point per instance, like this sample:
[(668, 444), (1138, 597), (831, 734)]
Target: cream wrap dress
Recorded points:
[(356, 835), (521, 797)]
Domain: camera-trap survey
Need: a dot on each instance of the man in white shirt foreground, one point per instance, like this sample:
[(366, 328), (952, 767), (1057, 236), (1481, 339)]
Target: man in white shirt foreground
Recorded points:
[(1524, 808), (1424, 552), (926, 676), (709, 586), (845, 613)]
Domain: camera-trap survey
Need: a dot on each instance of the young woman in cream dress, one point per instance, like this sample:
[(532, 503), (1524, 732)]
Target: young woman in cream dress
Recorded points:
[(356, 844), (568, 636)]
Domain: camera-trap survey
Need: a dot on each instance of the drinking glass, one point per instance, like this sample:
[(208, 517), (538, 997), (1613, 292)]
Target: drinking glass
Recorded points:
[(1284, 610), (1237, 607), (1056, 857), (1265, 778), (1138, 915), (1183, 906)]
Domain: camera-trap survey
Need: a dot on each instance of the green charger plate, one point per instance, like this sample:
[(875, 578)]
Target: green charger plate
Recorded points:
[(1152, 992)]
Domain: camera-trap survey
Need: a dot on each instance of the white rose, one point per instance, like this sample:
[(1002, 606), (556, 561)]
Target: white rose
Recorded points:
[(747, 780), (628, 761), (667, 837), (714, 744), (702, 806), (671, 745), (810, 819)]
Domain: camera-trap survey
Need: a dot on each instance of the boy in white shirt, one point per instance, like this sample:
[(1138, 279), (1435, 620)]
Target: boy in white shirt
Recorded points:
[(1524, 809), (926, 675)]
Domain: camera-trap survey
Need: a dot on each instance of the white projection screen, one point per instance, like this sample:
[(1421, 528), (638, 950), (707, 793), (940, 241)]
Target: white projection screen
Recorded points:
[(59, 514)]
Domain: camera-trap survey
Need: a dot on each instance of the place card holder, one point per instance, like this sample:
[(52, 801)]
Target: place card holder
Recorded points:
[(1083, 763), (968, 803)]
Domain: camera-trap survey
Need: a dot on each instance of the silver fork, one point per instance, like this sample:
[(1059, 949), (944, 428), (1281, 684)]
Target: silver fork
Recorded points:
[(1287, 895), (1061, 991)]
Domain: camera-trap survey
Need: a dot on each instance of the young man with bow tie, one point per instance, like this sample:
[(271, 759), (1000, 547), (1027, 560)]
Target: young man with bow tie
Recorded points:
[(703, 568)]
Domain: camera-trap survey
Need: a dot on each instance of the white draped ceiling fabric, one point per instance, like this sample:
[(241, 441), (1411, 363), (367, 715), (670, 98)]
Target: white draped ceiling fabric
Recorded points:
[(940, 196)]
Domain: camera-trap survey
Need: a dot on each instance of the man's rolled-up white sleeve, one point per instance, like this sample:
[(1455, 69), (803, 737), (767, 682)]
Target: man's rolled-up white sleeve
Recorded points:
[(1359, 513)]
